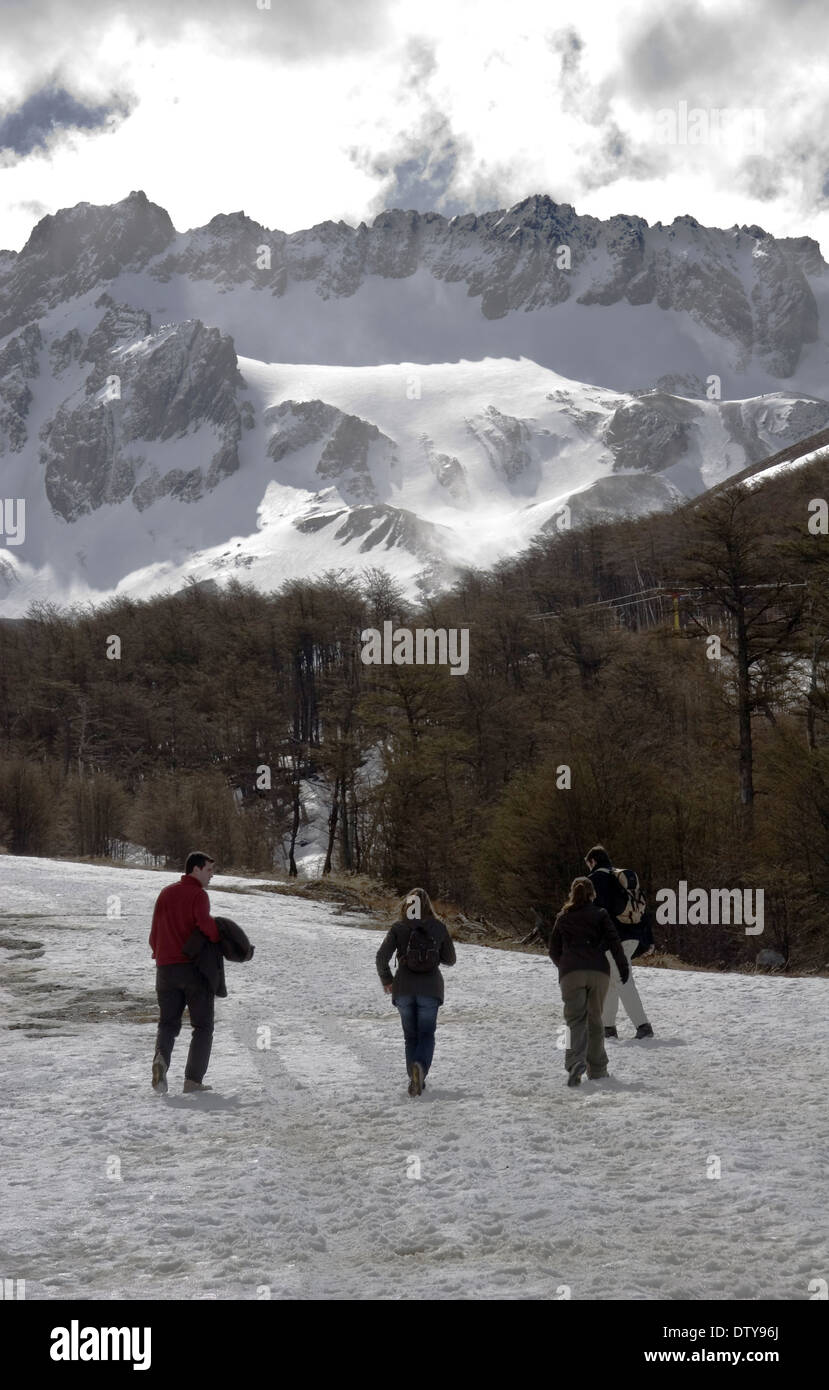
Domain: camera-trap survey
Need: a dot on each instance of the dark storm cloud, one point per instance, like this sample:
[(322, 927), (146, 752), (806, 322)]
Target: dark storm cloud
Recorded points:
[(49, 111)]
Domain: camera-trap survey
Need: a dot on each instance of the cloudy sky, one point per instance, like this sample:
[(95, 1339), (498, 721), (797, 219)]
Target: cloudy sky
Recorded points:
[(296, 111)]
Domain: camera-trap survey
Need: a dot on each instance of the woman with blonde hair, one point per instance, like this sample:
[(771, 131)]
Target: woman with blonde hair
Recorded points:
[(423, 944), (582, 934)]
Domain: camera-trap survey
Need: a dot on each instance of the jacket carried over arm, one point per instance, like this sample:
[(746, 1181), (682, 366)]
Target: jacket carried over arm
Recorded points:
[(209, 958), (407, 981), (181, 909), (580, 938)]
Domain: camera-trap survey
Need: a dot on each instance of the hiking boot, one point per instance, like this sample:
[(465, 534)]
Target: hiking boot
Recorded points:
[(194, 1086), (412, 1091), (611, 1033), (597, 1075), (576, 1073), (644, 1031), (417, 1078), (159, 1075)]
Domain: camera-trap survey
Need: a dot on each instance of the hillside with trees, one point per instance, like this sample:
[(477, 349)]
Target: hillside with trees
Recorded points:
[(659, 684)]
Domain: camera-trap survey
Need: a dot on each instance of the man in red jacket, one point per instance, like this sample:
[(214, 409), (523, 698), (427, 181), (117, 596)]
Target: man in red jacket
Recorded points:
[(180, 909)]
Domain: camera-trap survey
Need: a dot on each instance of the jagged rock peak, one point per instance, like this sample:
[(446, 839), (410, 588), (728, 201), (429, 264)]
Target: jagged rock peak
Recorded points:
[(231, 223), (134, 219)]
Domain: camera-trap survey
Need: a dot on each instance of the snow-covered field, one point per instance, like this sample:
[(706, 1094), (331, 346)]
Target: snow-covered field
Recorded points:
[(297, 1174)]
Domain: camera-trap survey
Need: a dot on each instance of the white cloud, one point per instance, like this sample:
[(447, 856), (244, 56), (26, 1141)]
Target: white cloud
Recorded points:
[(294, 114)]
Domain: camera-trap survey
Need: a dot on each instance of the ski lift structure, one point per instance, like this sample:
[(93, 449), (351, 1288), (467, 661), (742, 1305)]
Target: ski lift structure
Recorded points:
[(676, 606), (671, 606)]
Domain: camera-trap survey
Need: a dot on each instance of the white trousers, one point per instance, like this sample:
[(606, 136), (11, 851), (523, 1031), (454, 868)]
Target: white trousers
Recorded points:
[(628, 993)]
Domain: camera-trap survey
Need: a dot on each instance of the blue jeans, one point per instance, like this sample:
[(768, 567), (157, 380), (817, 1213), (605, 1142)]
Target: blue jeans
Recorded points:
[(419, 1016)]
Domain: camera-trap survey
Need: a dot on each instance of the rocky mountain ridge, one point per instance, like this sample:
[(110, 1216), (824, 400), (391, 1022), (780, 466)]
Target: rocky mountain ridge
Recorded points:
[(743, 285), (130, 399)]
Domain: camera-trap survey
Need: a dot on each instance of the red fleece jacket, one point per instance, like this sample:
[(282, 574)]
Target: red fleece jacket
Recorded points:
[(180, 909)]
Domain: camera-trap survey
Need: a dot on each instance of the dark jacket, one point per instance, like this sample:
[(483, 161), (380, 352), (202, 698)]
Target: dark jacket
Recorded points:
[(209, 957), (580, 938), (414, 981), (612, 897)]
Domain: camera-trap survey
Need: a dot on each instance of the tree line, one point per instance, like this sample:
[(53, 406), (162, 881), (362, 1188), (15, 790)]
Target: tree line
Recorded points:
[(658, 684)]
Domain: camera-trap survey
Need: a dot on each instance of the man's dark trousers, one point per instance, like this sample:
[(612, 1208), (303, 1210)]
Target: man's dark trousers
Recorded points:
[(177, 985)]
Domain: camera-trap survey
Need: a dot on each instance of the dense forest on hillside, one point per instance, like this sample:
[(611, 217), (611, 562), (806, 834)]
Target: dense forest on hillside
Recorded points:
[(661, 685)]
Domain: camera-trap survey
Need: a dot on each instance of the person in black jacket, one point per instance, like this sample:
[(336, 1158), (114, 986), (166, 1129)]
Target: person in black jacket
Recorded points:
[(583, 932), (612, 897), (422, 943)]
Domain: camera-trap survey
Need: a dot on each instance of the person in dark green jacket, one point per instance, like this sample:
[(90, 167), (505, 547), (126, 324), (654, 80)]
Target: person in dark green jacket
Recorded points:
[(423, 944), (582, 935)]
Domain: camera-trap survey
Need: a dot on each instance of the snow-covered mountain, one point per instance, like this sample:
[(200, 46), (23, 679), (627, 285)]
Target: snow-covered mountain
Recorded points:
[(423, 393)]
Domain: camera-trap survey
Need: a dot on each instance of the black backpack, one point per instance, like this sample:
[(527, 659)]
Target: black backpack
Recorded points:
[(422, 952)]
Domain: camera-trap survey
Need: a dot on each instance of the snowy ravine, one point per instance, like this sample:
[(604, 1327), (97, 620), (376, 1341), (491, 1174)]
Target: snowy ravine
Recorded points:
[(292, 1174)]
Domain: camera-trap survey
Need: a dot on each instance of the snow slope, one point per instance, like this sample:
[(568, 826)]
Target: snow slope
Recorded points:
[(292, 1175), (473, 459), (764, 474)]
